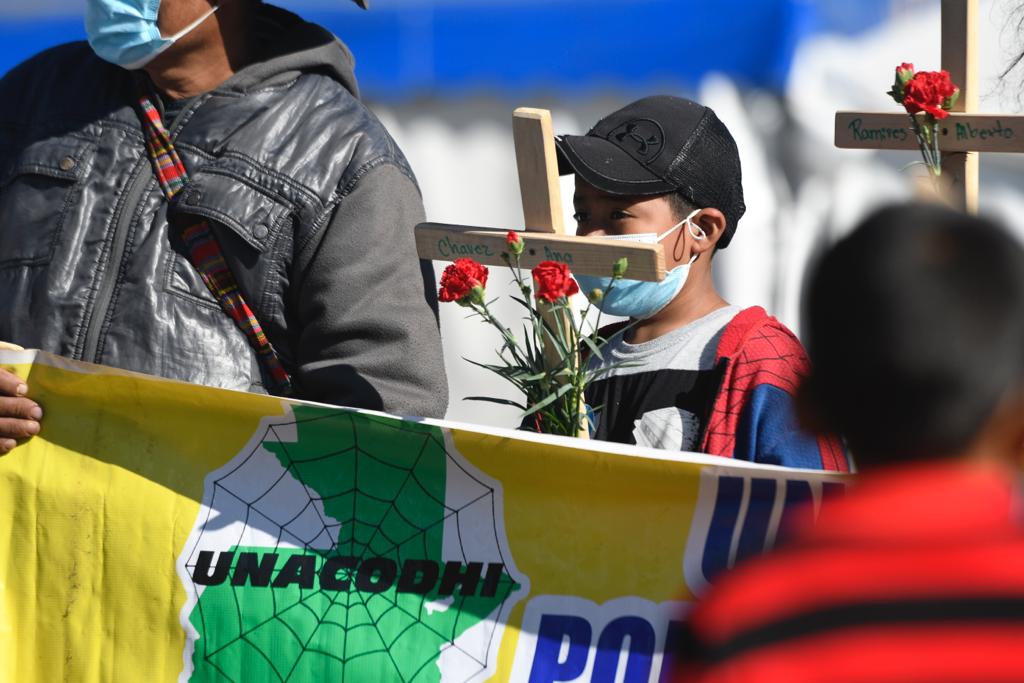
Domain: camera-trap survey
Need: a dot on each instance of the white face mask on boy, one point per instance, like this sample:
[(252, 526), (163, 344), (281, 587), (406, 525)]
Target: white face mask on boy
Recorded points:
[(636, 298)]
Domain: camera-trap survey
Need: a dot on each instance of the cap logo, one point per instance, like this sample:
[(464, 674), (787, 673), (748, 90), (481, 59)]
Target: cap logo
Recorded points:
[(641, 138)]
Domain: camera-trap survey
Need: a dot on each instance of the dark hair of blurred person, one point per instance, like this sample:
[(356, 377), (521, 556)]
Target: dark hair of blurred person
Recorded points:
[(915, 328)]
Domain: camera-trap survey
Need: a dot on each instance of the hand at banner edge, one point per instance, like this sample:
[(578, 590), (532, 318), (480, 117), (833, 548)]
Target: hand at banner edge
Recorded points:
[(19, 415)]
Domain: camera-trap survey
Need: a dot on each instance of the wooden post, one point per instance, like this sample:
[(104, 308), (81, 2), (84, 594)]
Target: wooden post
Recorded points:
[(960, 59), (584, 255), (537, 162), (958, 133)]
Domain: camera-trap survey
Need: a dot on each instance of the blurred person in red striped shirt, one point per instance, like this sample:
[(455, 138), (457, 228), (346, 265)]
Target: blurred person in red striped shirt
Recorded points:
[(915, 329)]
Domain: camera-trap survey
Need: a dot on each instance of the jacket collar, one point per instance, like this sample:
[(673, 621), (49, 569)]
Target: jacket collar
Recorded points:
[(739, 329)]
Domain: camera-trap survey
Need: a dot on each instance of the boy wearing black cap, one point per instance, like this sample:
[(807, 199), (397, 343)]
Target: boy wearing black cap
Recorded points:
[(692, 372)]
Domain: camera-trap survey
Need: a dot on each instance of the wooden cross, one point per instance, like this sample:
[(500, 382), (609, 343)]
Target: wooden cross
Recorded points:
[(537, 164), (964, 133), (544, 238)]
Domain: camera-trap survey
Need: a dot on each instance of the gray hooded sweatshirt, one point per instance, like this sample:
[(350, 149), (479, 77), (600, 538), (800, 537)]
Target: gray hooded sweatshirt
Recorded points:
[(310, 199)]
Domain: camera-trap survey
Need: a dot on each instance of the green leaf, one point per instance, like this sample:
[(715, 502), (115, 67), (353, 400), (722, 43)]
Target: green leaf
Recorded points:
[(594, 348), (556, 336), (522, 303), (548, 400), (491, 399), (535, 377), (530, 351), (503, 370)]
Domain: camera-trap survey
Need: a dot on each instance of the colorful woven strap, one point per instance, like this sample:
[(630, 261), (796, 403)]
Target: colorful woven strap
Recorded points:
[(204, 251)]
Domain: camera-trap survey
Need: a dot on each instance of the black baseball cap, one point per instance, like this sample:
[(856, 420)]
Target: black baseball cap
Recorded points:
[(658, 145)]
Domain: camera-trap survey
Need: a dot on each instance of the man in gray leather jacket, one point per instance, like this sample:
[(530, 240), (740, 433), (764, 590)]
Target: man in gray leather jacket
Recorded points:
[(309, 197)]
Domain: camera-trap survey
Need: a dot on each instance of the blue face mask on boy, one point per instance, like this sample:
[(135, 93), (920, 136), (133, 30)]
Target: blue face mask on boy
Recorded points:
[(125, 32), (636, 298)]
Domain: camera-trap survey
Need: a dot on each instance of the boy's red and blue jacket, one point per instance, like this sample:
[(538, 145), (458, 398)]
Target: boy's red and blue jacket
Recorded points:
[(740, 406), (753, 417)]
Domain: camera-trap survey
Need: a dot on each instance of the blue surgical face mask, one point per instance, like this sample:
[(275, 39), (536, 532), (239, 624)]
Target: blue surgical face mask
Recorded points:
[(125, 32), (636, 298)]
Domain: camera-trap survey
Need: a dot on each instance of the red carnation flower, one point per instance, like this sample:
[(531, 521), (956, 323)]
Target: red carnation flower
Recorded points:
[(515, 242), (553, 281), (461, 279), (929, 91)]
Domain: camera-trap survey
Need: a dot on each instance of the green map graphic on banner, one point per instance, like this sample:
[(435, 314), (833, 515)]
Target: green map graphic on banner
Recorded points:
[(334, 547)]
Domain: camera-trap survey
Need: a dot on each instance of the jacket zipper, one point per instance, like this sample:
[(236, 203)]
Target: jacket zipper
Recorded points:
[(101, 306), (105, 296)]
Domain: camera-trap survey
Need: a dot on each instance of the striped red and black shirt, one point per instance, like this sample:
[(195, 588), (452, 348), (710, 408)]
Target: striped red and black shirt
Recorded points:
[(916, 575)]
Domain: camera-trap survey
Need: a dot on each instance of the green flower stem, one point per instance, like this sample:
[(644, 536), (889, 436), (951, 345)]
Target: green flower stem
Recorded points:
[(546, 368), (510, 341), (571, 400), (928, 142), (524, 289)]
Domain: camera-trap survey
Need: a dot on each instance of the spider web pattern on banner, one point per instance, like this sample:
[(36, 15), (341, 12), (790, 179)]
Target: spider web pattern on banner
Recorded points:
[(376, 492)]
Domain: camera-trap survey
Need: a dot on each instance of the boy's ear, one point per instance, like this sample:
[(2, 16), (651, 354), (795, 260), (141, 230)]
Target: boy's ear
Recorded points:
[(712, 222)]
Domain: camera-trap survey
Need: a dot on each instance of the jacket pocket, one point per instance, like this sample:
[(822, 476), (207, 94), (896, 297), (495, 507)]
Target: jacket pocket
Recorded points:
[(37, 186), (246, 221)]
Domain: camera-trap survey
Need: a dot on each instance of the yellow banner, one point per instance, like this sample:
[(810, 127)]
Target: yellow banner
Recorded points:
[(159, 531)]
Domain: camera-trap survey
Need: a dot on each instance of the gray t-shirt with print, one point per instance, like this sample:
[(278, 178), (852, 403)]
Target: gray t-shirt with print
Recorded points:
[(660, 393)]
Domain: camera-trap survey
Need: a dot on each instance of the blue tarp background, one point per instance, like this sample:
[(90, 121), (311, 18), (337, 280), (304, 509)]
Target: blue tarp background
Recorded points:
[(408, 48)]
